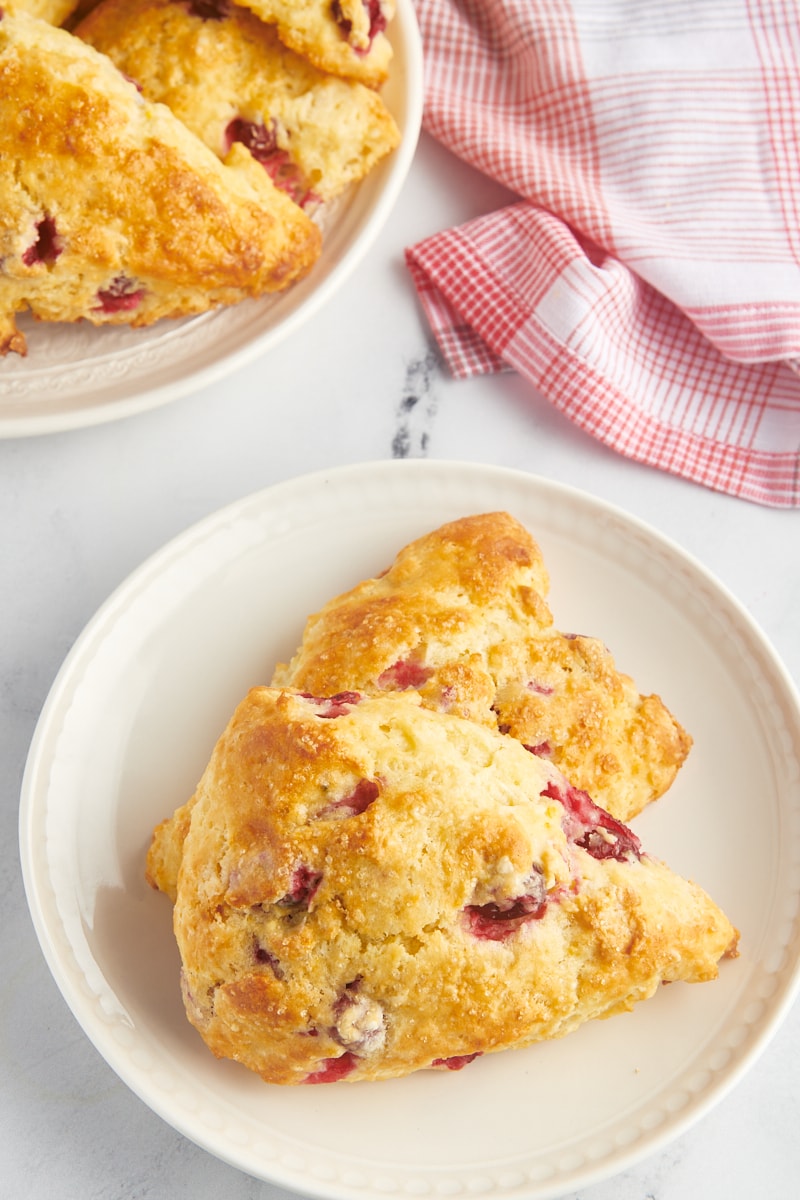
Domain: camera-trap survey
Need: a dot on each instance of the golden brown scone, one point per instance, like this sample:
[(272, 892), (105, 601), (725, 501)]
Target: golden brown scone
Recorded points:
[(461, 616), (112, 210), (55, 12), (230, 78), (343, 37), (166, 850), (368, 887)]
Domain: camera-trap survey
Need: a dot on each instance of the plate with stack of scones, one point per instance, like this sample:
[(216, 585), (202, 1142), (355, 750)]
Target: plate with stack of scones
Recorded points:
[(198, 177), (367, 823)]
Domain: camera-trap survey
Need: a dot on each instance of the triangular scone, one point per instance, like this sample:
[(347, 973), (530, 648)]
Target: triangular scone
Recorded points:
[(112, 210), (344, 37), (229, 78), (368, 887), (461, 616)]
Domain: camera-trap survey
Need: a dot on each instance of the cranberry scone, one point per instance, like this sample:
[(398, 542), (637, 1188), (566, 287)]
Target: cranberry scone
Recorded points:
[(343, 37), (112, 210), (368, 888), (461, 616), (229, 78)]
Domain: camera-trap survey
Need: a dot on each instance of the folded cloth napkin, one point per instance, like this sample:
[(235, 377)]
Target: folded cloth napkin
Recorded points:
[(647, 282)]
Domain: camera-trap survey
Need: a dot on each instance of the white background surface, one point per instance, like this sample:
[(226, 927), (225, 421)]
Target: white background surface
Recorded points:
[(80, 510)]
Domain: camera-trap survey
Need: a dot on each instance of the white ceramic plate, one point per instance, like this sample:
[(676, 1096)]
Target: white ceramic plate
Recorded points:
[(150, 684), (77, 375)]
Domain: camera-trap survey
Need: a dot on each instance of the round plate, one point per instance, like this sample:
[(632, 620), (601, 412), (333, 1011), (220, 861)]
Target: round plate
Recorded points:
[(150, 684), (78, 374)]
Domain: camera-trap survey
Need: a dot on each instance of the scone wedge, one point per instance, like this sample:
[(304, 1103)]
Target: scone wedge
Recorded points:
[(112, 210), (367, 888), (461, 615), (228, 77)]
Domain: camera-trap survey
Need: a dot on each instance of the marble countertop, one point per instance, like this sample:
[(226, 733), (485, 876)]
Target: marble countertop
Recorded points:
[(362, 381)]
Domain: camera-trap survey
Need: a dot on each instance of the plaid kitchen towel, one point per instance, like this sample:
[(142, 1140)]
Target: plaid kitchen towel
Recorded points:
[(647, 281)]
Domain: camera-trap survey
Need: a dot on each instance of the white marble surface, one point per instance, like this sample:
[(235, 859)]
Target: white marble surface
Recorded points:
[(79, 511)]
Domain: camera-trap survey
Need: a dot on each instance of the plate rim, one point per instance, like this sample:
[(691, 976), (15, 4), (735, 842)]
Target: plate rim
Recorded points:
[(150, 569)]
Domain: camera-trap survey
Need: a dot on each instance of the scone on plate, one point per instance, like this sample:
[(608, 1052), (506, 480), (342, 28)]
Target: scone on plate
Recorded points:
[(343, 37), (229, 78), (111, 210), (368, 887), (462, 617)]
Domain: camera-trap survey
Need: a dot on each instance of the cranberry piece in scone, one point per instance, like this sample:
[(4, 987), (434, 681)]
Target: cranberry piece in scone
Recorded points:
[(405, 673), (591, 827), (331, 1070), (121, 295), (541, 749), (261, 140), (47, 246), (498, 920), (303, 886), (366, 792), (333, 706), (266, 958), (456, 1062), (377, 21)]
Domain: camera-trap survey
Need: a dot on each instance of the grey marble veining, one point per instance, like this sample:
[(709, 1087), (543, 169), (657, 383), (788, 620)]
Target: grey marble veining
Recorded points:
[(415, 412)]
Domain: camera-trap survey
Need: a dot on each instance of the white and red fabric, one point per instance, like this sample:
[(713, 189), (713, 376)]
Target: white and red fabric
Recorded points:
[(647, 282)]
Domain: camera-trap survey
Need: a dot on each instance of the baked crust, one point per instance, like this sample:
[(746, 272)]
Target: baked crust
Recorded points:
[(112, 210), (344, 37), (55, 12), (228, 77), (462, 616), (368, 887)]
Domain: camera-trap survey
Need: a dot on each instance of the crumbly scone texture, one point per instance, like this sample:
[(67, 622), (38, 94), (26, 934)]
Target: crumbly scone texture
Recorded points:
[(55, 12), (112, 210), (229, 77), (462, 616), (346, 37), (368, 887)]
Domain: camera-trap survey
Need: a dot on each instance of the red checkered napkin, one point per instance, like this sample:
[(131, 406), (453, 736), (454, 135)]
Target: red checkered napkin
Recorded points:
[(647, 282)]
